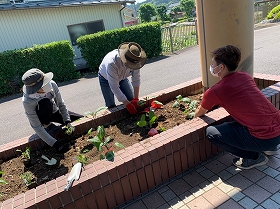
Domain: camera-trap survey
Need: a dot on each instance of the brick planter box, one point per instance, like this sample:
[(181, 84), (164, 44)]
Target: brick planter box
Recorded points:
[(137, 169)]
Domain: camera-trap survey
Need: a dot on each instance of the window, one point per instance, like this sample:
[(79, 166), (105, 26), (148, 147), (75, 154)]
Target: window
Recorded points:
[(75, 31)]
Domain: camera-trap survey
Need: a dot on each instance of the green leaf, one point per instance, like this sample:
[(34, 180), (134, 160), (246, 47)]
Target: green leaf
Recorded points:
[(107, 140), (152, 120), (192, 105), (143, 117), (186, 100), (89, 131), (141, 102), (119, 145), (141, 123), (179, 97), (176, 104), (98, 145), (3, 181), (190, 115), (94, 140), (100, 132), (151, 114), (99, 109)]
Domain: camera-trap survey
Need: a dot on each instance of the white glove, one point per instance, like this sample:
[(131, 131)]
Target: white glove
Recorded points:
[(69, 129)]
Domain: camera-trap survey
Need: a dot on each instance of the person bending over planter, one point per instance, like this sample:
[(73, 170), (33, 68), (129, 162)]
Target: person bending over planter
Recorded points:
[(43, 104), (256, 130), (113, 75)]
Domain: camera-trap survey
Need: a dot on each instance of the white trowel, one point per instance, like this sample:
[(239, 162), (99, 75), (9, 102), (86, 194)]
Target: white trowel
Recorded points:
[(73, 175)]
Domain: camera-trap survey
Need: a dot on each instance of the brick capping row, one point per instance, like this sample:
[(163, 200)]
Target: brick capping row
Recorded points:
[(136, 169)]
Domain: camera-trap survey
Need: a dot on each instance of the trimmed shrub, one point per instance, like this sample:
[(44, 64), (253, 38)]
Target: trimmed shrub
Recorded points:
[(95, 46), (274, 13), (56, 57)]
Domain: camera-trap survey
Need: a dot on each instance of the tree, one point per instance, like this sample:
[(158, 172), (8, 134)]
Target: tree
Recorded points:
[(146, 11), (161, 10), (187, 6), (176, 9)]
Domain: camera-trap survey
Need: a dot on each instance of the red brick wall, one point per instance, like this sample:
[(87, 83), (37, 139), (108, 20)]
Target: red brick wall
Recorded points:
[(137, 168)]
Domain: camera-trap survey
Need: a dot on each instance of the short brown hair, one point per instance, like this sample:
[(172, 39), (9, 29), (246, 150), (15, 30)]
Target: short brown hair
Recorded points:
[(228, 55)]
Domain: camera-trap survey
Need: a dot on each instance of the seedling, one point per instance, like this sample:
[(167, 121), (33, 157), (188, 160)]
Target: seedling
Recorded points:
[(1, 180), (89, 131), (82, 159), (99, 141), (151, 117), (181, 99), (28, 178), (142, 102), (85, 150), (191, 109), (25, 154), (68, 130), (98, 110)]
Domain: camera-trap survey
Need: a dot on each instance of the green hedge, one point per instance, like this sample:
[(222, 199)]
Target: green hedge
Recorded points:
[(95, 46), (274, 13), (56, 57)]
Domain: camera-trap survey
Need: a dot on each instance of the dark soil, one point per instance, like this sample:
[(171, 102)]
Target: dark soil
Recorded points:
[(124, 131)]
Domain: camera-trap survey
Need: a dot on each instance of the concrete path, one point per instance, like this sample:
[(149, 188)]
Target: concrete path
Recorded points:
[(84, 94)]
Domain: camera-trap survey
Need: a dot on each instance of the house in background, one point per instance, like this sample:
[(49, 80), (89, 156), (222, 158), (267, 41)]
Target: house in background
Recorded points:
[(130, 17), (23, 24), (171, 6)]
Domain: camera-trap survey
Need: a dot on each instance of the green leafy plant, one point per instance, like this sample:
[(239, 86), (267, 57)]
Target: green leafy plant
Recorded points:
[(274, 13), (82, 159), (25, 154), (191, 109), (68, 130), (162, 129), (100, 141), (98, 110), (85, 150), (179, 100), (28, 178), (151, 119), (89, 131), (142, 103), (1, 180)]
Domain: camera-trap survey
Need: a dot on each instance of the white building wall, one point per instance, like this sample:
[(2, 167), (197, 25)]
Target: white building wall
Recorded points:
[(24, 28)]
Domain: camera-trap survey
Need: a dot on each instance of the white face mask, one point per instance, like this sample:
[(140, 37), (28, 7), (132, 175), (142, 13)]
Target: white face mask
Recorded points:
[(212, 71), (37, 95), (47, 88)]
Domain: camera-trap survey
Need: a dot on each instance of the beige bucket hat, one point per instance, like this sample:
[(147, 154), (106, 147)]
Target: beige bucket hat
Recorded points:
[(132, 55)]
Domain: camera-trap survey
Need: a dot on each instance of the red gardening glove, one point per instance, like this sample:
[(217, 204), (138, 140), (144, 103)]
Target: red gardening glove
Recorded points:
[(131, 109), (135, 102)]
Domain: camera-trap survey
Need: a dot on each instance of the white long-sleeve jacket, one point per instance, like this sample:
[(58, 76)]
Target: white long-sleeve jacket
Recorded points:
[(30, 104), (114, 71)]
